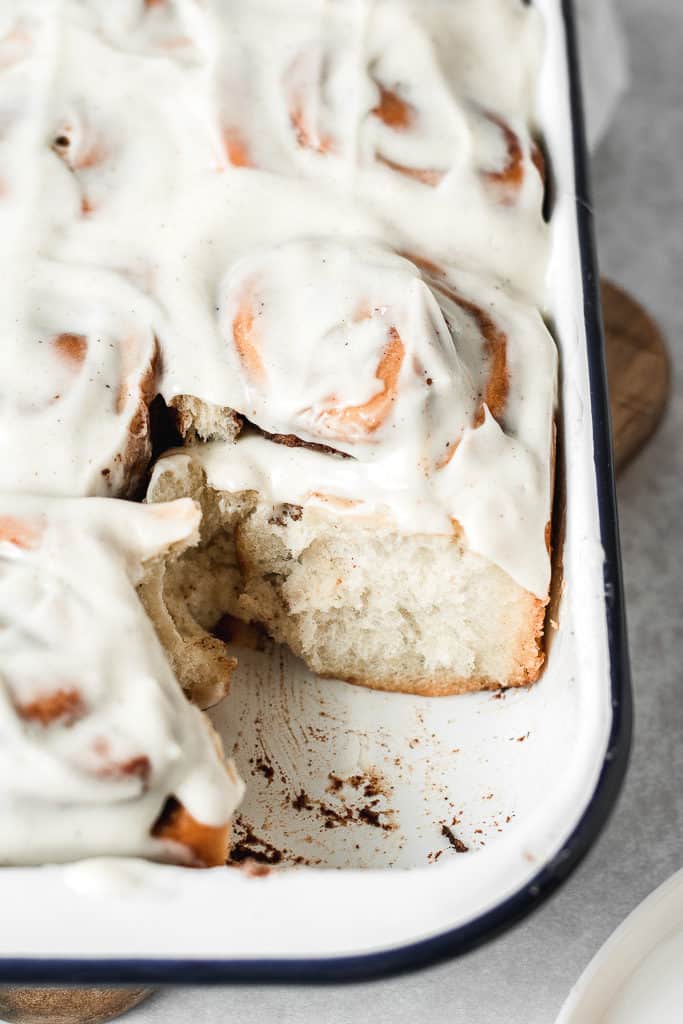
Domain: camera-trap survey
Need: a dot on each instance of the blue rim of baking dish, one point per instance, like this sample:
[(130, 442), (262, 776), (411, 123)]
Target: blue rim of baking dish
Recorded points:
[(447, 945)]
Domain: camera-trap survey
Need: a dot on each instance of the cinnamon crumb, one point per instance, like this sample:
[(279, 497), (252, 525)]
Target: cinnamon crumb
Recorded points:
[(456, 843)]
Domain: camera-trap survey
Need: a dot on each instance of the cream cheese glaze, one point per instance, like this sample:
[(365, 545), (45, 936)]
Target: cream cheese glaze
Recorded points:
[(95, 733), (345, 344)]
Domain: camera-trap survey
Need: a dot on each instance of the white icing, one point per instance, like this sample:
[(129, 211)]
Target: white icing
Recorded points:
[(117, 877), (74, 360), (94, 779), (320, 320), (308, 326)]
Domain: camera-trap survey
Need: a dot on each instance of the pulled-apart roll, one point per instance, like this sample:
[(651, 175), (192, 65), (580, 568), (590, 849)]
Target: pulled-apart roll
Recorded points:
[(386, 509), (100, 752)]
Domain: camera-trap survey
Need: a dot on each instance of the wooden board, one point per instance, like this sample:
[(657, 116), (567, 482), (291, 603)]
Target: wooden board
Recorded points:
[(67, 1005), (638, 369)]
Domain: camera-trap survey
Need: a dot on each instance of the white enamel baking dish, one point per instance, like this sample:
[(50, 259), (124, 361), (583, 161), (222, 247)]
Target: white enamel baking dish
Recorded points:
[(366, 799)]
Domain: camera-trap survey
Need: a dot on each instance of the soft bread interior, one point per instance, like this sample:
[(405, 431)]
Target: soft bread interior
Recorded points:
[(415, 613), (203, 421), (168, 592)]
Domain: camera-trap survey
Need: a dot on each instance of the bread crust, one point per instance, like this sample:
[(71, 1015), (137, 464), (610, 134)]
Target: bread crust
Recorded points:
[(207, 845), (137, 453), (530, 659), (526, 659)]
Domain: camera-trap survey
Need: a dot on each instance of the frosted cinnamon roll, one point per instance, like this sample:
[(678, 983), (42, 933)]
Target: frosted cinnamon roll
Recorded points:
[(344, 344), (348, 345), (123, 130), (110, 172), (361, 101), (489, 50), (408, 124), (101, 754), (389, 518), (79, 366), (362, 96)]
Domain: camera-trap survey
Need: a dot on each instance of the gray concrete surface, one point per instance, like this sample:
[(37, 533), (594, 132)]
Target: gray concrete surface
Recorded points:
[(524, 977)]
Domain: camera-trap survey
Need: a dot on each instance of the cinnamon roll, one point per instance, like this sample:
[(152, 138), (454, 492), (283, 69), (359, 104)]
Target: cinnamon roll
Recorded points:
[(79, 367), (362, 97), (101, 753), (322, 336), (408, 123), (385, 509)]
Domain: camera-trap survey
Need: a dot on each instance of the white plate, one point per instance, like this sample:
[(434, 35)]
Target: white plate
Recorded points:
[(637, 977)]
